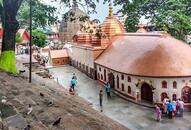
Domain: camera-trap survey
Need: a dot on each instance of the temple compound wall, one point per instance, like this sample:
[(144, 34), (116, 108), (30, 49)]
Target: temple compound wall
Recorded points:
[(83, 58)]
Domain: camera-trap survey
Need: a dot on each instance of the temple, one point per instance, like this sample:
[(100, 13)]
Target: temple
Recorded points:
[(140, 66)]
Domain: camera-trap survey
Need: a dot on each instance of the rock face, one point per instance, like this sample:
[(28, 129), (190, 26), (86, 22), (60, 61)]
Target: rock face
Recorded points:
[(75, 113)]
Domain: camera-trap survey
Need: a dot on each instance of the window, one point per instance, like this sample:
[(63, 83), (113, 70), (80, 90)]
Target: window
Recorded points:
[(98, 75), (87, 70), (129, 79), (79, 65), (174, 85), (129, 90), (174, 97), (101, 77), (99, 68), (122, 77), (122, 86), (164, 84), (104, 75), (117, 81)]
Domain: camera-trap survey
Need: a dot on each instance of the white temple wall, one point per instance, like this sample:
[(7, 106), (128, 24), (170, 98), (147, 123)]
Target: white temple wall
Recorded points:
[(155, 82), (83, 55)]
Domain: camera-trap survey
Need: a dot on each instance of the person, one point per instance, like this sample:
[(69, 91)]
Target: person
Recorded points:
[(73, 83), (29, 109), (74, 76), (174, 108), (100, 98), (165, 103), (170, 109), (157, 112), (71, 91), (181, 107), (108, 90)]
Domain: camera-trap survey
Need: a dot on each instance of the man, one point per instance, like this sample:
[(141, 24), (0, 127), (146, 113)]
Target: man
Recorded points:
[(100, 97), (181, 107), (170, 109)]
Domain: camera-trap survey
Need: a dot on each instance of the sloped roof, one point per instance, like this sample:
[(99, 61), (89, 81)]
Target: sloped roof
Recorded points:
[(147, 54), (58, 53)]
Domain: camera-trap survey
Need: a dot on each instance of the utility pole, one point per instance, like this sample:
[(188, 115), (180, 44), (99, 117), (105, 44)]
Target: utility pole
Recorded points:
[(30, 53)]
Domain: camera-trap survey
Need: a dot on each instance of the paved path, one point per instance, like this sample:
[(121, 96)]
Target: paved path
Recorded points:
[(129, 114)]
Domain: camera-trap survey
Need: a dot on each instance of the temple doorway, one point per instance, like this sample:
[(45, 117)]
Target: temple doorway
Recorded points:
[(111, 80), (163, 96), (186, 94), (146, 92)]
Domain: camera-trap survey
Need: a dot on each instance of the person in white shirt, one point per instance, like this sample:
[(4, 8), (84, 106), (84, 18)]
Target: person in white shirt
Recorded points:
[(181, 107)]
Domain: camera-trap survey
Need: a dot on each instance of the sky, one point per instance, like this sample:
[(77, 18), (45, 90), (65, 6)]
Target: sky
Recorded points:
[(102, 9)]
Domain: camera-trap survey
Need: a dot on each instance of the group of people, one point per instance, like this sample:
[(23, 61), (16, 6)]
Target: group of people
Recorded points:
[(170, 109), (73, 84)]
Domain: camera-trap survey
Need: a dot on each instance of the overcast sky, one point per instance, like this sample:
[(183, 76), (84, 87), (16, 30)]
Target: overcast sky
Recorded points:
[(102, 9)]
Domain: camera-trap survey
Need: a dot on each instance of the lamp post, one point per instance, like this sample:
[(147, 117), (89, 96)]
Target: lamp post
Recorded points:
[(30, 53)]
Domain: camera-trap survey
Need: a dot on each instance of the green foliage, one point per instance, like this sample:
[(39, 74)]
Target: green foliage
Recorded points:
[(173, 16), (38, 38), (42, 14), (7, 61), (18, 38)]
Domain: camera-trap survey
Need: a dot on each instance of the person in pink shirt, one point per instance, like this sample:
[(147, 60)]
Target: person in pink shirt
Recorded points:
[(181, 107), (157, 112)]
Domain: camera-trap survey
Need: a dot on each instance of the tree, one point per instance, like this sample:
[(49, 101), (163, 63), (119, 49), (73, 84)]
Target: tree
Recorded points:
[(9, 9), (173, 16), (38, 37), (42, 15), (8, 13)]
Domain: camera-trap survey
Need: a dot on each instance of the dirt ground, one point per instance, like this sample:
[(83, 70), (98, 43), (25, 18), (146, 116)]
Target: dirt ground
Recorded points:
[(75, 113)]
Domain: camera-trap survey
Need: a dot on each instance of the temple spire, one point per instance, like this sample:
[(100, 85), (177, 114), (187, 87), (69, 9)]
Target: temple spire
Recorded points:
[(110, 10), (74, 5)]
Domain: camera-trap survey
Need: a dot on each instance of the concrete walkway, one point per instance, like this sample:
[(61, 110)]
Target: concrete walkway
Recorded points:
[(133, 116)]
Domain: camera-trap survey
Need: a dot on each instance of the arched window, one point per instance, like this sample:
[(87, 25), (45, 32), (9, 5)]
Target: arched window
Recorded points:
[(104, 75), (101, 77), (174, 85), (129, 79), (129, 90), (164, 84), (117, 81), (122, 77), (174, 97), (163, 96), (98, 75), (122, 86)]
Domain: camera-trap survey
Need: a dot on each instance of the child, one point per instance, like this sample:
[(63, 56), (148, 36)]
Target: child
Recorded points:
[(157, 112)]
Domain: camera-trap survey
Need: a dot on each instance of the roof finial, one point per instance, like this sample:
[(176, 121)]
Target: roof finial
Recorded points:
[(74, 5), (110, 9)]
